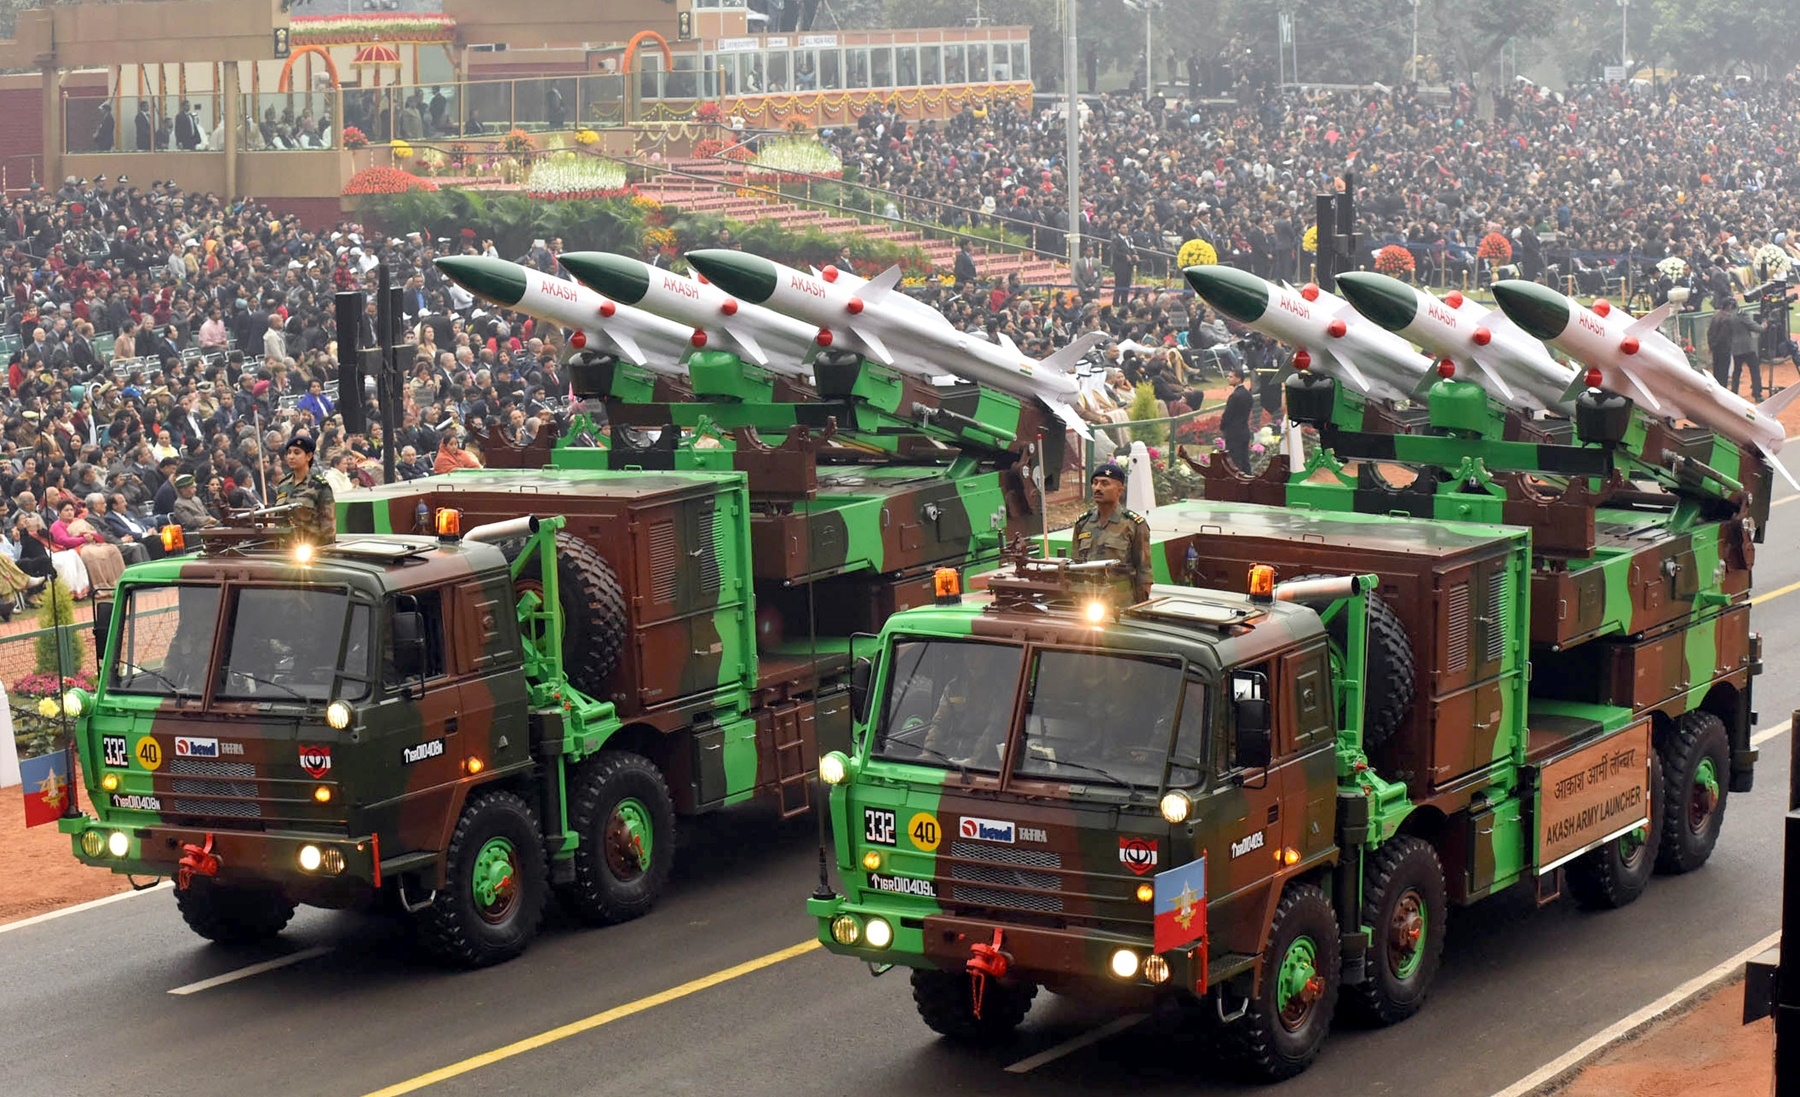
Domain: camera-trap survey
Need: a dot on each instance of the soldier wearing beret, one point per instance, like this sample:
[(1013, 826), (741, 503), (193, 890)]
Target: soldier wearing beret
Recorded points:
[(308, 492), (1110, 532)]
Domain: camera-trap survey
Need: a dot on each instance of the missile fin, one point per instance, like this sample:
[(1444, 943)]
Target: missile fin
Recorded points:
[(880, 286), (1637, 386), (1069, 357), (873, 342), (1576, 387), (1776, 464), (741, 335), (1423, 388), (1652, 320), (1007, 344), (1499, 387), (1070, 418), (627, 346), (1774, 405), (1351, 373)]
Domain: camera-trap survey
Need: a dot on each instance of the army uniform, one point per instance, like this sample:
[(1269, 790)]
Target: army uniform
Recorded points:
[(316, 506), (1124, 536)]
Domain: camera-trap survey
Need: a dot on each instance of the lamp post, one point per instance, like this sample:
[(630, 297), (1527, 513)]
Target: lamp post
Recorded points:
[(1415, 48), (1625, 37), (1072, 132)]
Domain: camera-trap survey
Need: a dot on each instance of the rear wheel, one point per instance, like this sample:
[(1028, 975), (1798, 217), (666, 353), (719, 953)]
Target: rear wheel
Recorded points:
[(946, 1004), (230, 915), (621, 809), (1618, 872), (1696, 761), (489, 909), (1288, 1019), (1403, 904)]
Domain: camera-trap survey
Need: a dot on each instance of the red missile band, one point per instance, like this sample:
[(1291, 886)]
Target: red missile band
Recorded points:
[(1336, 329), (1482, 337), (698, 338), (1453, 299), (1310, 291), (854, 306), (1302, 360), (1601, 307), (823, 338), (607, 308), (1446, 369), (702, 278), (578, 340), (1629, 344), (1593, 378), (729, 307), (829, 274)]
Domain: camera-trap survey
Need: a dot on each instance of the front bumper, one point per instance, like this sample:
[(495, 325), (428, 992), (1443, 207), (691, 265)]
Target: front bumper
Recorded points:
[(243, 856)]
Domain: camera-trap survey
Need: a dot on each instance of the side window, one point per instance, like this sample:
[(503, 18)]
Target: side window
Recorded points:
[(1188, 762), (429, 604)]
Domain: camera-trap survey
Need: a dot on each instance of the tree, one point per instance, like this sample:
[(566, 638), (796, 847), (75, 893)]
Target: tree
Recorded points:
[(1722, 36)]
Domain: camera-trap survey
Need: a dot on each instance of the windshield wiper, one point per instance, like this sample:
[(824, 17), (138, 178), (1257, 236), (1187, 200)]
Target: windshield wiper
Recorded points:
[(962, 766), (1114, 778), (160, 677), (296, 694)]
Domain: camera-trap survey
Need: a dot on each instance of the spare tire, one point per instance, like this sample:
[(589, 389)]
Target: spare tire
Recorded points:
[(593, 607), (1392, 678)]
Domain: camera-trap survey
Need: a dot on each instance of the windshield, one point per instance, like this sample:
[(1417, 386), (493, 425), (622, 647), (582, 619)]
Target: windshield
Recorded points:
[(165, 640), (949, 703), (283, 643), (1094, 718)]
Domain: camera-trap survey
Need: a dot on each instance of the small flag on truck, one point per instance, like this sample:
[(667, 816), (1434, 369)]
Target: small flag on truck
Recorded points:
[(46, 787), (1180, 905)]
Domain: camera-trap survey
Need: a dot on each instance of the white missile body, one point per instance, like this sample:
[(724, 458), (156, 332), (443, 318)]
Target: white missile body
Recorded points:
[(761, 336), (642, 338)]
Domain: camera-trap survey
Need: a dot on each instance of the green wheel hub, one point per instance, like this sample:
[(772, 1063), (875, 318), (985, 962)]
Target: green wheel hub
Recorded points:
[(630, 839), (1703, 796), (1407, 931), (1298, 985), (495, 880)]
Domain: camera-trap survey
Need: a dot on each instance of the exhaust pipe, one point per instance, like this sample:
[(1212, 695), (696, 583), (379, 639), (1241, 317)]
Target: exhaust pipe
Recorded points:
[(500, 531)]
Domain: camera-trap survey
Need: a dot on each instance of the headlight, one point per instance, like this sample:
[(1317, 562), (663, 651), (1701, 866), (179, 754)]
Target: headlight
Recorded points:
[(879, 933), (311, 857), (338, 714), (303, 553), (1096, 612), (1124, 963), (833, 768), (1175, 806), (93, 843), (118, 844), (1156, 969), (844, 930), (72, 703)]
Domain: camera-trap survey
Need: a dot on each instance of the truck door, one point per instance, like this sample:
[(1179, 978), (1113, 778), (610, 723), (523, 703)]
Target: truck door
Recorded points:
[(1239, 823), (1305, 730)]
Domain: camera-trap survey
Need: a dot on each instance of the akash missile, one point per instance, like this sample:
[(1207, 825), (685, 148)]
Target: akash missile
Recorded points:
[(641, 338), (1335, 337), (1629, 356), (758, 335), (913, 338), (1485, 346)]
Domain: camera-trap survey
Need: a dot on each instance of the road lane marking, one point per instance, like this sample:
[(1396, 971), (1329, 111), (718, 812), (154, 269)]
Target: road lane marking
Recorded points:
[(1784, 500), (79, 907), (1768, 733), (1625, 1026), (1093, 1036), (253, 969), (1773, 594), (588, 1024)]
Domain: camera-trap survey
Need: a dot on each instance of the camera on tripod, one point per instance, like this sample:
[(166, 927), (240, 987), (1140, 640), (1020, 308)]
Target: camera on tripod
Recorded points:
[(1772, 310)]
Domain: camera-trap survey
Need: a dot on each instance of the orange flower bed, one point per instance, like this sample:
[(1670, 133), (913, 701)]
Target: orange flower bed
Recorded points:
[(385, 181)]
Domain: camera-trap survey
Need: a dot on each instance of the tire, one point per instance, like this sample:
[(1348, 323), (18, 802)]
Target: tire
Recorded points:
[(613, 799), (1301, 970), (1393, 673), (1617, 873), (229, 915), (593, 605), (1405, 908), (1696, 760), (495, 885), (946, 1004)]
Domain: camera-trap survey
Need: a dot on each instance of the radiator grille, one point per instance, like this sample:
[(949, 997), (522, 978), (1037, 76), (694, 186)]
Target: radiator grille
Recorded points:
[(1493, 646), (665, 560), (1456, 641), (1045, 887)]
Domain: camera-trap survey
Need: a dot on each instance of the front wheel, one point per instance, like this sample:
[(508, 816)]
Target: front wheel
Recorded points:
[(1403, 904), (621, 809), (1696, 774), (488, 911), (229, 915), (946, 1003), (1287, 1020)]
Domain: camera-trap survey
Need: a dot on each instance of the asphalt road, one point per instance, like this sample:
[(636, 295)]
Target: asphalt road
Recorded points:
[(87, 1006)]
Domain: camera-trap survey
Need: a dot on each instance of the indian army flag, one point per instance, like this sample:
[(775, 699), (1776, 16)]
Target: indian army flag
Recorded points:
[(1180, 905)]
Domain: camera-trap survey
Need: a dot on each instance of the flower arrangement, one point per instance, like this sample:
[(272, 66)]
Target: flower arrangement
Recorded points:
[(1310, 242), (401, 150), (662, 239), (707, 149), (586, 138), (1495, 248), (740, 153), (518, 143), (354, 30), (1775, 260), (645, 202), (795, 126), (569, 177), (1197, 253), (1395, 261), (793, 160), (1674, 266), (355, 138), (385, 181), (708, 112)]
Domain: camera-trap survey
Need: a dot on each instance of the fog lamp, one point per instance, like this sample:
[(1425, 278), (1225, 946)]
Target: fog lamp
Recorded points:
[(844, 930), (332, 861), (1156, 969), (93, 843)]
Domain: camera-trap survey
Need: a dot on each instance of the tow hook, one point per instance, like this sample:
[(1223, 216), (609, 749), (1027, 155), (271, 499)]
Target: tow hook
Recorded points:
[(196, 860), (986, 961)]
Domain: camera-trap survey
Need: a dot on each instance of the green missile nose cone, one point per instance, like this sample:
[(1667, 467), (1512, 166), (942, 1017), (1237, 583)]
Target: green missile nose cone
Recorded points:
[(494, 280), (1540, 311), (619, 277), (748, 277), (1387, 301), (1238, 294)]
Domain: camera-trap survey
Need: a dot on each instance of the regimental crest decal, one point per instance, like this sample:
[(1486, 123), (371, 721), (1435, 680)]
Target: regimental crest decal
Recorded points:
[(1137, 854), (315, 760)]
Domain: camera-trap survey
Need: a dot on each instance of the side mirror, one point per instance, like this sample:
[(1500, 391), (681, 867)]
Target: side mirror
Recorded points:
[(409, 644), (862, 673), (1253, 746), (103, 612)]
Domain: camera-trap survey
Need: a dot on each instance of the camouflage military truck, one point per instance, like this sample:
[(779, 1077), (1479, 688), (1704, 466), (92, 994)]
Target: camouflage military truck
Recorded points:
[(1345, 706)]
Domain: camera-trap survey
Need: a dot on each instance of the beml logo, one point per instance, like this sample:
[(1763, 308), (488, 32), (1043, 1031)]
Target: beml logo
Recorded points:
[(988, 830), (196, 748)]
